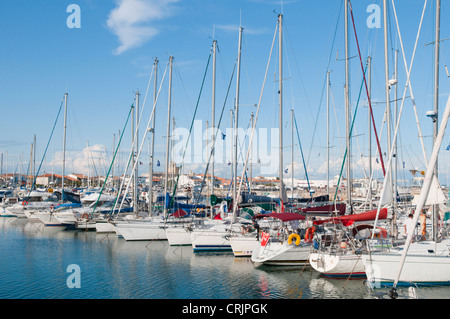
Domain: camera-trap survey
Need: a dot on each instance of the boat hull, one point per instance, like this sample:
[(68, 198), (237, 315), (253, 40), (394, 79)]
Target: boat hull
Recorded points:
[(420, 269), (332, 265), (243, 246), (282, 254), (210, 240), (178, 236), (141, 231)]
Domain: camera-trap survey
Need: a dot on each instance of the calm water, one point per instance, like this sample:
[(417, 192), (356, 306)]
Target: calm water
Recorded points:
[(34, 261)]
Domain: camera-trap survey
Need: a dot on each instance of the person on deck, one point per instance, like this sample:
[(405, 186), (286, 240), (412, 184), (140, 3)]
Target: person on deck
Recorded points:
[(423, 224), (409, 225)]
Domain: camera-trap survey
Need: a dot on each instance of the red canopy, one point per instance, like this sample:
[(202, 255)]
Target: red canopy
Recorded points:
[(350, 219), (179, 213), (285, 217)]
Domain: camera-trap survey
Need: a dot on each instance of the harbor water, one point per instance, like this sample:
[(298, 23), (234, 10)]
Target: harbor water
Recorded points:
[(40, 262)]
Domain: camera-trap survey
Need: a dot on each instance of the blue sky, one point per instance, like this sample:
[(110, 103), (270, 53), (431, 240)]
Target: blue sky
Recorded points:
[(104, 62)]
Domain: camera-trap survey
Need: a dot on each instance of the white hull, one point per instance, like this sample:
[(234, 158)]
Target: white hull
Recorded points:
[(32, 217), (85, 225), (178, 236), (210, 240), (333, 265), (243, 246), (149, 230), (426, 263), (66, 218), (48, 219), (104, 227), (282, 254)]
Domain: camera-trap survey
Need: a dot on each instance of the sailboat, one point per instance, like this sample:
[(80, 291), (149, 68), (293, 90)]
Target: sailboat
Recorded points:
[(66, 200), (282, 244), (423, 262), (420, 262), (337, 251)]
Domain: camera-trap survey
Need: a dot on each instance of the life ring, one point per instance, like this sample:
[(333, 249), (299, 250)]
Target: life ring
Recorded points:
[(24, 203), (291, 237), (85, 215), (309, 234)]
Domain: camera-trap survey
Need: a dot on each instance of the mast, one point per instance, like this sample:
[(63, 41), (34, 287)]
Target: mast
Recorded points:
[(135, 178), (280, 95), (150, 193), (369, 133), (436, 106), (251, 164), (386, 78), (64, 146), (347, 111), (236, 111), (168, 133), (328, 133), (292, 153), (395, 175), (213, 107)]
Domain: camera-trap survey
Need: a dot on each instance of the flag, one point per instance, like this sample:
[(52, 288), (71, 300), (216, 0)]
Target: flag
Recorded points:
[(377, 160), (158, 164), (264, 238), (286, 170), (223, 136), (403, 164), (448, 147)]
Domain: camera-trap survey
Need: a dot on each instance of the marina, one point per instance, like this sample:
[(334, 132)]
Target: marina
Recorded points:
[(112, 268), (215, 195)]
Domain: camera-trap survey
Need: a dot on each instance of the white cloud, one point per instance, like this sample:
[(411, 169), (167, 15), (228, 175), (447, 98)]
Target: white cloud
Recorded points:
[(81, 162), (131, 20)]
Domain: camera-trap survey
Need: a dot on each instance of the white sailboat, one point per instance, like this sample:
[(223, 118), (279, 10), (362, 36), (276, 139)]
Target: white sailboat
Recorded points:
[(281, 245), (421, 262)]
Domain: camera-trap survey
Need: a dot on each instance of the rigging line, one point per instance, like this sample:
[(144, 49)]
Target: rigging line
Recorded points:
[(303, 158), (217, 132), (336, 118), (367, 92), (190, 130), (391, 151), (409, 72), (46, 148), (132, 148), (325, 80), (255, 121), (112, 161), (288, 41), (351, 130)]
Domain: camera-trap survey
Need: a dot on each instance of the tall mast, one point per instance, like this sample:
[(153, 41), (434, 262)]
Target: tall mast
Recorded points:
[(369, 127), (213, 107), (251, 163), (280, 95), (386, 78), (328, 133), (347, 111), (236, 113), (436, 106), (64, 145), (136, 175), (395, 175), (292, 154), (150, 192), (168, 133), (436, 76)]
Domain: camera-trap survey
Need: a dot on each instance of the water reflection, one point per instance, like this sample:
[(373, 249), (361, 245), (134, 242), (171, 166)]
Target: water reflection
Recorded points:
[(35, 259)]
